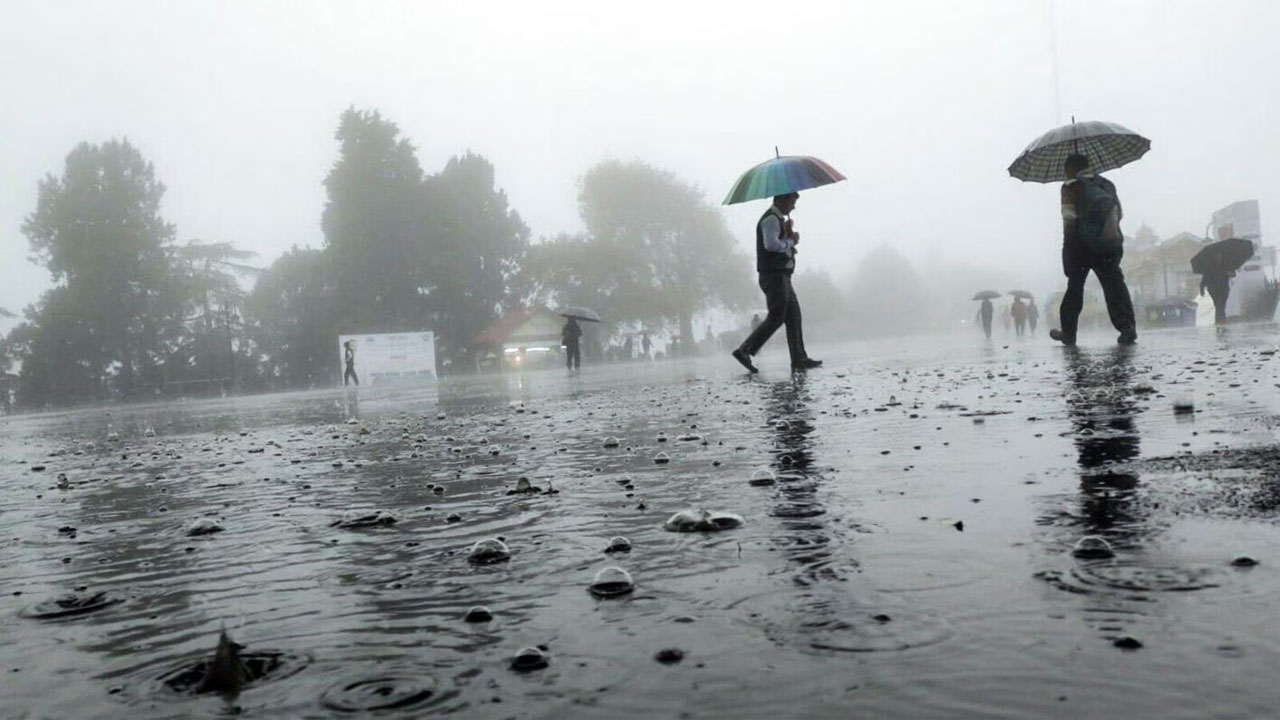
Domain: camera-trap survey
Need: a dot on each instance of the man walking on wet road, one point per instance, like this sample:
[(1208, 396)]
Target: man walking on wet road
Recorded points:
[(985, 312), (1092, 241), (1019, 312), (775, 262)]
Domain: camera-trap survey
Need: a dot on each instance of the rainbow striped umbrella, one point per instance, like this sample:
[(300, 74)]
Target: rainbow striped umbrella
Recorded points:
[(781, 175)]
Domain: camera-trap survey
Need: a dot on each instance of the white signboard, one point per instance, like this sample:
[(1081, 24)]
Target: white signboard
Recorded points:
[(369, 359), (1239, 219)]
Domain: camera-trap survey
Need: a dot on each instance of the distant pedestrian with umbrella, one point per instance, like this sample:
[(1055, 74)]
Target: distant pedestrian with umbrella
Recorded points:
[(781, 178), (571, 333), (1019, 312), (1033, 315), (570, 337), (1091, 214), (986, 311), (1216, 264)]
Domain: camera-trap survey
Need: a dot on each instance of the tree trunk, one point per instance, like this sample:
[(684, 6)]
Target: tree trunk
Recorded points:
[(687, 340)]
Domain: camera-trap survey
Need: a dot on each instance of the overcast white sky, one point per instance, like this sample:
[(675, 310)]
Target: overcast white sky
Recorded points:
[(921, 104)]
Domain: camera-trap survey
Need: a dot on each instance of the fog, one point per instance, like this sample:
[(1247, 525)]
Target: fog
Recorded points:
[(921, 104)]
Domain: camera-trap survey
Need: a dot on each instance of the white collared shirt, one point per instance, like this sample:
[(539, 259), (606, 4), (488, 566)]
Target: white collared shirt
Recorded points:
[(771, 231)]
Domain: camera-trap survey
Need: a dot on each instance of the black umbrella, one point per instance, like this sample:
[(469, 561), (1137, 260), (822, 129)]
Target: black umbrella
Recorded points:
[(1022, 294), (580, 313), (986, 295), (1224, 256)]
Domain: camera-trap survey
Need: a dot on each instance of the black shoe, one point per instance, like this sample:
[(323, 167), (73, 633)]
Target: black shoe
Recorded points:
[(741, 356), (1128, 337), (806, 364), (1056, 334)]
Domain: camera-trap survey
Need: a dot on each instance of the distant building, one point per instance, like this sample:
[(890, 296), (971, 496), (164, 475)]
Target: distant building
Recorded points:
[(1163, 270), (523, 338)]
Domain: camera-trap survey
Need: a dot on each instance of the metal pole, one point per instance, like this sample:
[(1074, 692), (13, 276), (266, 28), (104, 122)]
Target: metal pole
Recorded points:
[(1053, 51)]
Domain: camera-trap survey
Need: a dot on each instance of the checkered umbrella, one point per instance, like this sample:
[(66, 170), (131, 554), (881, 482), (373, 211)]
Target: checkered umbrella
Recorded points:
[(1107, 145)]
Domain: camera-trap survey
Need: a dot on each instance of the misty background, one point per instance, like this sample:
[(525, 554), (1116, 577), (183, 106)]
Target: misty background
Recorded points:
[(921, 104)]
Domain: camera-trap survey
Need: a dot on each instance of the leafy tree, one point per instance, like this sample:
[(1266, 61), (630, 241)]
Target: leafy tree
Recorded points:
[(6, 357), (668, 250), (58, 352), (208, 343), (572, 270), (886, 296), (821, 299), (405, 250), (99, 232), (474, 249), (293, 319), (373, 226)]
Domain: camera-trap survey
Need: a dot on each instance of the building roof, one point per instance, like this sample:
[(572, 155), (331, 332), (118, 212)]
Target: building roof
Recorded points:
[(530, 324)]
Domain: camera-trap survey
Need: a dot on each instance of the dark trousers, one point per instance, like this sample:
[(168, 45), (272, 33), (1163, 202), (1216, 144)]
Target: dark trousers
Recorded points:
[(1219, 289), (350, 376), (572, 355), (784, 309), (1077, 264)]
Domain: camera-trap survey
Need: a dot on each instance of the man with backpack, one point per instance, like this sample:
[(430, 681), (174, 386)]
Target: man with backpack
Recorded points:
[(1092, 241)]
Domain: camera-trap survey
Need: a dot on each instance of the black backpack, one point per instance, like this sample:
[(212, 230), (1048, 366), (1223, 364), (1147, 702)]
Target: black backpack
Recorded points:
[(1094, 222)]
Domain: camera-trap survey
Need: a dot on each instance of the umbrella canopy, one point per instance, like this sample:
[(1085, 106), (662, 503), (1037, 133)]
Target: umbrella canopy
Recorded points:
[(1107, 145), (986, 295), (1224, 256), (1022, 294), (782, 175), (580, 313)]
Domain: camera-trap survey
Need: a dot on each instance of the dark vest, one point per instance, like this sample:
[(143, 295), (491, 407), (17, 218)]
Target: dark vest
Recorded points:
[(767, 260)]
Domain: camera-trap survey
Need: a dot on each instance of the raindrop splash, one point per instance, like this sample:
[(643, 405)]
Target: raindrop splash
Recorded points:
[(702, 521), (488, 552), (612, 582), (1092, 547), (618, 544), (529, 659)]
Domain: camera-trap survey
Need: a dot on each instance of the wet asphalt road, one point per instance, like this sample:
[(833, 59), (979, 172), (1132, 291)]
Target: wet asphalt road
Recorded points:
[(912, 556)]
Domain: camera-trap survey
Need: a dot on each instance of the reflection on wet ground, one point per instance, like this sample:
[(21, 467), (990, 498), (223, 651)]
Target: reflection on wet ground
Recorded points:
[(921, 529)]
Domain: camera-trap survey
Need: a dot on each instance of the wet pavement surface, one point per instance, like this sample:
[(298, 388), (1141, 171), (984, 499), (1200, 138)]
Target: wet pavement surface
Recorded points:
[(946, 528)]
